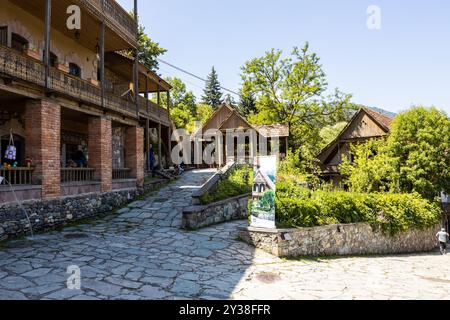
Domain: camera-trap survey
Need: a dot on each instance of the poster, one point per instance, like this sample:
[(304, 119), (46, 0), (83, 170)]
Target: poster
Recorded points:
[(264, 188)]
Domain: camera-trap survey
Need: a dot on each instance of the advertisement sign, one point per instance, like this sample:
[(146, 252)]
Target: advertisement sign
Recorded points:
[(264, 188)]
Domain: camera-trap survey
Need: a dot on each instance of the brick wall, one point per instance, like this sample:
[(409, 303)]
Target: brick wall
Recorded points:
[(43, 143), (134, 153), (100, 150)]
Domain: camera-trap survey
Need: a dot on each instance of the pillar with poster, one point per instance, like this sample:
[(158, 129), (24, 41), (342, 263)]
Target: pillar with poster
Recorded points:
[(264, 188)]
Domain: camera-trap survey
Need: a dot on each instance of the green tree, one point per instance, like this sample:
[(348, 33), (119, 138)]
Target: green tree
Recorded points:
[(414, 158), (290, 91), (183, 107), (148, 50), (267, 201), (212, 92), (247, 104), (329, 133), (420, 143)]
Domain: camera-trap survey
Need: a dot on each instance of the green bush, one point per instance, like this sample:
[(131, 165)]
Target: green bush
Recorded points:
[(237, 182), (394, 213)]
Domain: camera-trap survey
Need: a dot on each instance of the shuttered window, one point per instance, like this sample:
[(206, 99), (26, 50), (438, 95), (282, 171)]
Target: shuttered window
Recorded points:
[(3, 36)]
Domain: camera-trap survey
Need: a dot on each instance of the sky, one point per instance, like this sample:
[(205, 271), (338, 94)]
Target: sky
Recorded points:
[(405, 63)]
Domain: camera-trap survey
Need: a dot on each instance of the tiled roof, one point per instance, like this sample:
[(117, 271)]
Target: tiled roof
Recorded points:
[(382, 119), (273, 130)]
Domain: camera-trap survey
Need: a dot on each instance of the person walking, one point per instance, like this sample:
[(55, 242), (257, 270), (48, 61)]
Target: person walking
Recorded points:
[(443, 238)]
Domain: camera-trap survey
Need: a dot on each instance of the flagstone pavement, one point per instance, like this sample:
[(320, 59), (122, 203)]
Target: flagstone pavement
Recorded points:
[(140, 253)]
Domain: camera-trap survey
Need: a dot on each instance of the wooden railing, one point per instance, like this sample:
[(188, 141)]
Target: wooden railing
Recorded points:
[(77, 175), (116, 17), (153, 111), (16, 176), (17, 65), (121, 174)]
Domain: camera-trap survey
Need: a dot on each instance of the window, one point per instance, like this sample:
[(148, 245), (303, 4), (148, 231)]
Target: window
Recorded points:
[(3, 36), (74, 70), (18, 42), (53, 59)]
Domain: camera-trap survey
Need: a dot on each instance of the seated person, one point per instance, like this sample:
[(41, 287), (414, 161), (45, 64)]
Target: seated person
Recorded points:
[(79, 158)]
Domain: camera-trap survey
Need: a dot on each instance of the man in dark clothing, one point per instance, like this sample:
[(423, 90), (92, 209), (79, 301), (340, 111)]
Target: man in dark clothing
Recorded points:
[(79, 158)]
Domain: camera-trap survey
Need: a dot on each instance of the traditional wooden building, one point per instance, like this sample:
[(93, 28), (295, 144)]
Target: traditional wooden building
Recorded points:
[(68, 92), (366, 124), (234, 127)]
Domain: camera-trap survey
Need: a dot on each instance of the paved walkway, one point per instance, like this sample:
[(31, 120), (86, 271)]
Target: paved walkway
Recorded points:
[(140, 253)]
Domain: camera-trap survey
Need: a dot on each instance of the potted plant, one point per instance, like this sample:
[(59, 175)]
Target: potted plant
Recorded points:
[(62, 65), (32, 51), (94, 82)]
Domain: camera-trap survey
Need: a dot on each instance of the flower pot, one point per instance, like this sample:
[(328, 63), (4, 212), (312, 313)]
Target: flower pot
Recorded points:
[(62, 67), (33, 54), (94, 82)]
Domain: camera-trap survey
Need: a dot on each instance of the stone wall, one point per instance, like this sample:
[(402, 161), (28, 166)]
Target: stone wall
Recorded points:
[(350, 239), (48, 214), (200, 216)]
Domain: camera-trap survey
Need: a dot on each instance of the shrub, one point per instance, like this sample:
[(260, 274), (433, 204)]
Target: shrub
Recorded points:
[(237, 182), (394, 213)]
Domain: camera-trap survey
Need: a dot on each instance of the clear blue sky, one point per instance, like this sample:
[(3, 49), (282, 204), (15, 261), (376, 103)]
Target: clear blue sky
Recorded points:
[(407, 62)]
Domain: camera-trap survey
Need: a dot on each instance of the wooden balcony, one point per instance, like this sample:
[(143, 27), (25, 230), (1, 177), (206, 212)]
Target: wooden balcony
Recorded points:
[(121, 31), (16, 176), (154, 112), (77, 175), (22, 67)]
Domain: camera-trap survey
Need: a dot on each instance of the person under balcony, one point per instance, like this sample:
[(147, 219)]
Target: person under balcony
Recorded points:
[(79, 158), (151, 158)]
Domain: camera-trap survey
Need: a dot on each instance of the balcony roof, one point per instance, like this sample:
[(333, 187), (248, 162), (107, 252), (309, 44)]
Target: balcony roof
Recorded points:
[(90, 23)]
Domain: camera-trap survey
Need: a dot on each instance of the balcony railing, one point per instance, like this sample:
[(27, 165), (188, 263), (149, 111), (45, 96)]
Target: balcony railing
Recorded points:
[(77, 175), (116, 16), (18, 65), (121, 174), (16, 176), (153, 111)]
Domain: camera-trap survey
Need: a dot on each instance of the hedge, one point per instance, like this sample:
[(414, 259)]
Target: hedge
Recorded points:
[(394, 213), (237, 182)]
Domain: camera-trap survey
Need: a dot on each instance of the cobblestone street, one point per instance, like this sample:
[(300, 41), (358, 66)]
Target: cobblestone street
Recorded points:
[(140, 253)]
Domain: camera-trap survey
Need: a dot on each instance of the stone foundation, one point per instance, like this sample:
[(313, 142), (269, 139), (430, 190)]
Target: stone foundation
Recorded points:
[(199, 216), (48, 214), (338, 240)]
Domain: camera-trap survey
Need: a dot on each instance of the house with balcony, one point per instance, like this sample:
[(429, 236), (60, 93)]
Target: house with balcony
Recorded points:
[(66, 93)]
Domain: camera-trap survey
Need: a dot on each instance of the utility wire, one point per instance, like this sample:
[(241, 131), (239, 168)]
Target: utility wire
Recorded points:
[(195, 76)]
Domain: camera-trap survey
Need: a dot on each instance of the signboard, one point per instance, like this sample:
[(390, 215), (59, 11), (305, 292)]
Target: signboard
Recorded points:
[(264, 188)]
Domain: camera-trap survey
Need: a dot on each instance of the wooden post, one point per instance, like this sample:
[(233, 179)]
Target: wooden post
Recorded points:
[(169, 140), (146, 93), (159, 131), (147, 126), (147, 143), (48, 24), (136, 60), (102, 59)]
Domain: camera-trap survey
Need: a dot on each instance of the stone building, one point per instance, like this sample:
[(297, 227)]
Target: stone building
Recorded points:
[(63, 91), (366, 124)]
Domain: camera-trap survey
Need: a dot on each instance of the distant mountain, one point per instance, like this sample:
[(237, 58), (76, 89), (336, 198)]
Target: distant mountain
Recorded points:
[(384, 112)]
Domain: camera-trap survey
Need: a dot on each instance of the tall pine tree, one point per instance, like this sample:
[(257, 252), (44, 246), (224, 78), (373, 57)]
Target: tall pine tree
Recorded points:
[(212, 93), (247, 104)]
